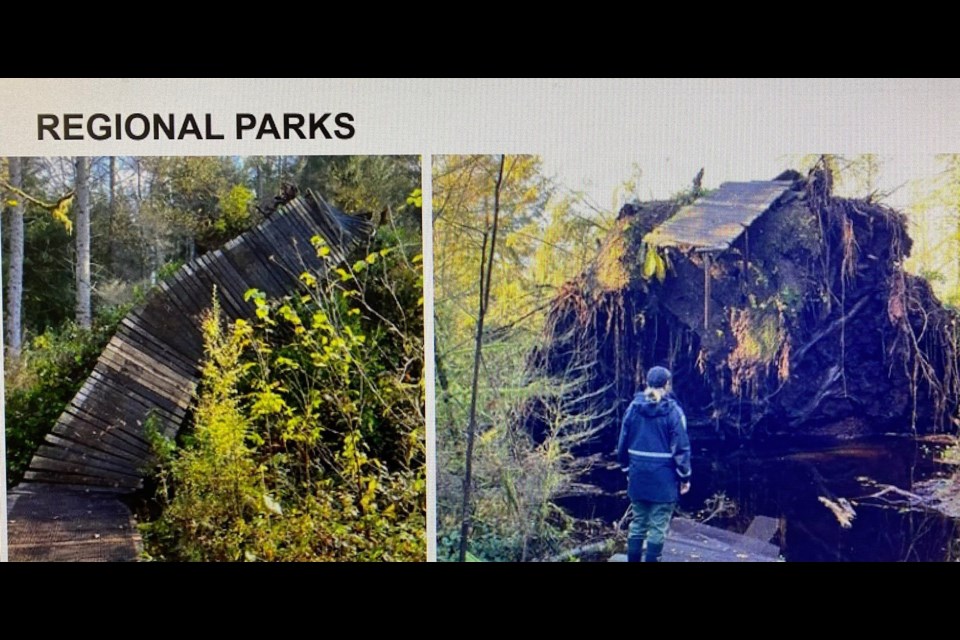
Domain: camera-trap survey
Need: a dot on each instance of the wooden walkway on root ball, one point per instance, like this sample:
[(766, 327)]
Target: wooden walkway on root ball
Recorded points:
[(99, 449)]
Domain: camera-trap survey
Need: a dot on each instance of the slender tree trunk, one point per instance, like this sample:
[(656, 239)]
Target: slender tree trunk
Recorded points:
[(485, 272), (112, 211), (143, 254), (261, 196), (113, 184), (84, 317), (15, 257)]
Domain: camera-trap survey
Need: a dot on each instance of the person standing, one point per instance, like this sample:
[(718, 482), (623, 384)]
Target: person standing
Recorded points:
[(654, 452)]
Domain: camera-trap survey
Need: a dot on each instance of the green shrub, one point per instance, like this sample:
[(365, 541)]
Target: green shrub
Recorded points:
[(49, 372), (308, 438)]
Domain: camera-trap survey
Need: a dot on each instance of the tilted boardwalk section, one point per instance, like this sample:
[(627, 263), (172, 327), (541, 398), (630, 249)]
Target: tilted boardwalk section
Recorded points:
[(151, 367), (714, 222)]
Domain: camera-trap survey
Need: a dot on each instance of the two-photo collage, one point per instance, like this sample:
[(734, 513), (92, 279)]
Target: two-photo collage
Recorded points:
[(481, 358)]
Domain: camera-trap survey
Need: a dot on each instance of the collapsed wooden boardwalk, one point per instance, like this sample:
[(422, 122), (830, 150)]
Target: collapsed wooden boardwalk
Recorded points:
[(99, 448)]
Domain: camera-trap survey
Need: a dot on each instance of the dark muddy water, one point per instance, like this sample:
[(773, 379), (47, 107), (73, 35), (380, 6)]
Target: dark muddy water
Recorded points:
[(786, 481)]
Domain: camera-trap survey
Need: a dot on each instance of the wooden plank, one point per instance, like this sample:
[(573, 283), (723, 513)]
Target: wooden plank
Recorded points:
[(200, 295), (41, 463), (306, 231), (106, 391), (326, 226), (95, 427), (207, 279), (298, 217), (83, 457), (104, 447), (249, 257), (184, 291), (261, 244), (127, 369), (189, 347), (343, 229), (201, 281), (713, 537), (159, 369), (303, 211), (256, 276), (182, 296), (281, 238), (281, 255), (299, 250), (283, 266), (302, 217), (161, 306), (235, 281), (80, 451), (78, 425), (159, 374), (718, 219), (164, 321), (200, 288), (232, 305), (763, 528), (59, 522), (245, 263), (132, 390), (83, 428), (52, 477), (130, 332), (113, 388), (130, 363), (111, 410)]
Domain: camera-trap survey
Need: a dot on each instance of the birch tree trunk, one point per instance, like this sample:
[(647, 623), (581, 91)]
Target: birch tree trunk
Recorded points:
[(83, 242), (15, 256)]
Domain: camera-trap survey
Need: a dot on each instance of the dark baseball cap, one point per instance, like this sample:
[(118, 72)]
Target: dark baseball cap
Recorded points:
[(658, 377)]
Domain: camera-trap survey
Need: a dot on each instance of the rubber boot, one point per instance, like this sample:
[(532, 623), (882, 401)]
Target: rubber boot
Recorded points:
[(654, 551), (634, 549)]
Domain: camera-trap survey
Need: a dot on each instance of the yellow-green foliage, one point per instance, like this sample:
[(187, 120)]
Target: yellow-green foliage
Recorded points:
[(309, 435), (544, 238), (760, 345), (40, 383), (758, 335), (516, 479), (235, 203), (654, 264), (611, 273), (951, 455)]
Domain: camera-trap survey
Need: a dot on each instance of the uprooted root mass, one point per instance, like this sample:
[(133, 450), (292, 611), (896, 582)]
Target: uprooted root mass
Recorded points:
[(813, 324)]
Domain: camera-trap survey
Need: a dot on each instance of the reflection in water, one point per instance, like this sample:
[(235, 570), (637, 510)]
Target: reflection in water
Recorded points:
[(794, 483)]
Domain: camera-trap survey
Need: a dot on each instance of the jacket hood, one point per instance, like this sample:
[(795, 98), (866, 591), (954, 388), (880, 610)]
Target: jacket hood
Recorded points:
[(650, 404)]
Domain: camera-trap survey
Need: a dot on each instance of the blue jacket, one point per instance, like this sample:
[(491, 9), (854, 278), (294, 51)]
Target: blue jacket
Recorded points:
[(654, 448)]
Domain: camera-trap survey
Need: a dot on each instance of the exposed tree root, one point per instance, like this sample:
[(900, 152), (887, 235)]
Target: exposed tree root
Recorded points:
[(814, 322)]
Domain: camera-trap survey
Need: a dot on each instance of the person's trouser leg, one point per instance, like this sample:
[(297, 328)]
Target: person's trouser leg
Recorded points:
[(659, 521), (638, 531)]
